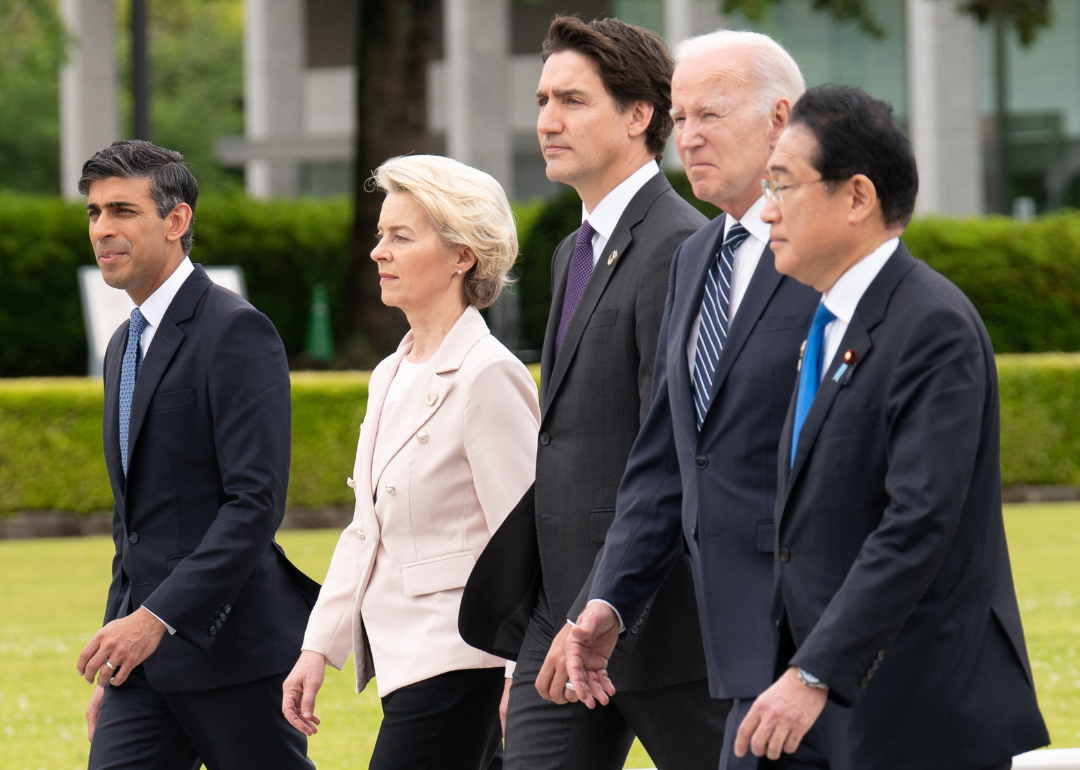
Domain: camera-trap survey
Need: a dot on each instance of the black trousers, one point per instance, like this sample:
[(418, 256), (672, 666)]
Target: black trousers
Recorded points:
[(680, 726), (231, 728), (447, 722)]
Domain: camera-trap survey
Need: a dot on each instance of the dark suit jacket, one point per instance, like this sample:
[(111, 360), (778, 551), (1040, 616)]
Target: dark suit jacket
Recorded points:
[(714, 490), (893, 574), (208, 469), (593, 399)]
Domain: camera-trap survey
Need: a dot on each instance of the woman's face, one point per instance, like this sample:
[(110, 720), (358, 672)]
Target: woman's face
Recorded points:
[(416, 269)]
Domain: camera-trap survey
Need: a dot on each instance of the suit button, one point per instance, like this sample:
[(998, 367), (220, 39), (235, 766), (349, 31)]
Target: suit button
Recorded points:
[(222, 616), (390, 489), (693, 534), (212, 630), (864, 682), (228, 608), (360, 535), (133, 538), (217, 623), (881, 654), (701, 461), (785, 555), (869, 675), (545, 439), (874, 665), (422, 437)]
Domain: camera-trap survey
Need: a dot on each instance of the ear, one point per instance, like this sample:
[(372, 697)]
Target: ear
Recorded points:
[(641, 114), (778, 121), (464, 259), (178, 221), (864, 202)]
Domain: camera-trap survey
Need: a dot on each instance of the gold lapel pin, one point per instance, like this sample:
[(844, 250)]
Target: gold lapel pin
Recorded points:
[(850, 357), (612, 258)]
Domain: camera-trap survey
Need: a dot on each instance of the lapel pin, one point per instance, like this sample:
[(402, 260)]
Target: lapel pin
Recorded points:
[(802, 353), (839, 372), (850, 357), (612, 258)]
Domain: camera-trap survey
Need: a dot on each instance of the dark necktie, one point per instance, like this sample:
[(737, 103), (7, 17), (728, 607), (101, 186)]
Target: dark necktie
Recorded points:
[(810, 371), (713, 329), (581, 266), (129, 371)]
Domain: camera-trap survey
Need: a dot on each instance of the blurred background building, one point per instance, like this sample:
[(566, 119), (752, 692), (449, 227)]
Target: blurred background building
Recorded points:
[(938, 67)]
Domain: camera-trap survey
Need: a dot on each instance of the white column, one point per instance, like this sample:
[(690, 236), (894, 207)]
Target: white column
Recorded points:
[(273, 91), (943, 107), (678, 21), (89, 119), (477, 70)]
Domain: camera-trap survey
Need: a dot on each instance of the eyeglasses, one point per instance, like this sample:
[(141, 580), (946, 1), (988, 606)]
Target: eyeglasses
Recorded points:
[(775, 192)]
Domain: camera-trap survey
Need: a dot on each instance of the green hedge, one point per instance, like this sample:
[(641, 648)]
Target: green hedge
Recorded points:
[(284, 247), (51, 456)]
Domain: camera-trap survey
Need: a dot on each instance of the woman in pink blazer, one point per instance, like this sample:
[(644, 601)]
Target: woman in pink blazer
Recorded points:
[(447, 448)]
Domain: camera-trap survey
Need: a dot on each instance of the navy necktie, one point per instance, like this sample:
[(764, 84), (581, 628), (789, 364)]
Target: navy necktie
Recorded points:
[(810, 371), (129, 371), (713, 329), (581, 266)]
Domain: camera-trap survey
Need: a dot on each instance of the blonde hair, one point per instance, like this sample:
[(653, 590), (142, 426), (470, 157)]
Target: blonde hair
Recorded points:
[(467, 208), (774, 72)]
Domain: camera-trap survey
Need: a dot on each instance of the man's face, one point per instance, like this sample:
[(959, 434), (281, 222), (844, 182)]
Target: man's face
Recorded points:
[(810, 231), (129, 238), (581, 130), (722, 137)]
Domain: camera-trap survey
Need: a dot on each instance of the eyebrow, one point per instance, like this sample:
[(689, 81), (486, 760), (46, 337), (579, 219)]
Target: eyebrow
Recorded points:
[(779, 170), (561, 92), (112, 205)]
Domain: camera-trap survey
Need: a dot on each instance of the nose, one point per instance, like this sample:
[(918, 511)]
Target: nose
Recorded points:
[(547, 121), (101, 227), (688, 135), (380, 253), (770, 214)]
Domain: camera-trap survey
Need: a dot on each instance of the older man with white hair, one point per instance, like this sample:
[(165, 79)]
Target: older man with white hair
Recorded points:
[(702, 474)]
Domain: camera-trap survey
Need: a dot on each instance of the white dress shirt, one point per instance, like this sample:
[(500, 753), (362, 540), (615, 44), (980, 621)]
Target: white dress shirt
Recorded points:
[(609, 211), (746, 261), (844, 296), (153, 310)]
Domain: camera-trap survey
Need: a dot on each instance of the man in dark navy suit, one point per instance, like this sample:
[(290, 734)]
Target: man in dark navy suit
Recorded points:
[(894, 592), (205, 615), (703, 467)]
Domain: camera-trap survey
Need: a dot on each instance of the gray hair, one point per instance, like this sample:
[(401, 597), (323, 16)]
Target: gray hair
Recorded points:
[(467, 208), (171, 183), (774, 73)]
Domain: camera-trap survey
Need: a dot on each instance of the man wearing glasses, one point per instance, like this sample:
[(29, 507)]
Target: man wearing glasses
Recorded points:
[(725, 371)]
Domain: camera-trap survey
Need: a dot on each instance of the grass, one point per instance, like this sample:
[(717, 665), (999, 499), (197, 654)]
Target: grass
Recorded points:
[(55, 592)]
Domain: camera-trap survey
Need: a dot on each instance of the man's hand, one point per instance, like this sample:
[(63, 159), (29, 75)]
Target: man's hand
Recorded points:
[(552, 679), (119, 647), (588, 649), (780, 717), (503, 704), (299, 691), (92, 711)]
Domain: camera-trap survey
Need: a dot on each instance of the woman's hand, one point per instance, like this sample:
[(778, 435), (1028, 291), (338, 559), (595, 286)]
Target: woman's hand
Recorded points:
[(300, 689)]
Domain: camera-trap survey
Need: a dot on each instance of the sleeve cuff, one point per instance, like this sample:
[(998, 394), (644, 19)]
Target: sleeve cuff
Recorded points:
[(618, 615), (510, 666), (170, 629)]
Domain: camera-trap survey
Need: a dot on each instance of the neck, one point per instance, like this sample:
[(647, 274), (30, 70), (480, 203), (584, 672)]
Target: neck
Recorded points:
[(597, 187), (737, 207), (859, 251), (142, 293), (430, 327)]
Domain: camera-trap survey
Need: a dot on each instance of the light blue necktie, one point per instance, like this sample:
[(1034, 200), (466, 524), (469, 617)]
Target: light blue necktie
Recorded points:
[(810, 373), (129, 372), (713, 330)]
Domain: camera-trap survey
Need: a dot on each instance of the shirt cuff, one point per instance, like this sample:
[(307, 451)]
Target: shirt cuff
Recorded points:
[(170, 629), (618, 615), (510, 666)]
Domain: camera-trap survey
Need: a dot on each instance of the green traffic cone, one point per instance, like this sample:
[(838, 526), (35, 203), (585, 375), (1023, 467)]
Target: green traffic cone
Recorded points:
[(320, 338)]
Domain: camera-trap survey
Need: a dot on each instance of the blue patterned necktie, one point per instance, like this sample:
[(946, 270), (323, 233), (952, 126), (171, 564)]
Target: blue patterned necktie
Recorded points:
[(713, 330), (810, 372), (581, 266), (129, 371)]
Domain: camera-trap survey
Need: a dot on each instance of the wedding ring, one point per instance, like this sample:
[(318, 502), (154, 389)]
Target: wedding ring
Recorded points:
[(110, 665), (570, 686)]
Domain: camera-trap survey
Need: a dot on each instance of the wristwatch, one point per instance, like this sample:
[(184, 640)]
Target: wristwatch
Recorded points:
[(811, 681)]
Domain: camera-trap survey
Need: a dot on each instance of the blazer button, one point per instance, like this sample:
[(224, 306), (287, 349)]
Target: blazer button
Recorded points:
[(545, 439), (350, 483), (390, 489), (222, 616), (217, 623), (212, 630), (701, 461), (693, 534), (881, 654), (133, 538), (360, 535), (228, 608), (785, 555), (864, 682), (422, 437), (432, 397)]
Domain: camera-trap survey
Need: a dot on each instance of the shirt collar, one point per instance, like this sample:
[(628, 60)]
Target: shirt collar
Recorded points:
[(844, 296), (153, 309), (752, 221), (609, 211)]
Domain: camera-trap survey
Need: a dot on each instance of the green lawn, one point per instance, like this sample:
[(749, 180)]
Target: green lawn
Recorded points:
[(55, 589)]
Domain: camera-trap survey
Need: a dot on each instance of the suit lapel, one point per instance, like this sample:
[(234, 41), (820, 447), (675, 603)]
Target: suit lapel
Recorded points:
[(613, 256), (560, 269), (868, 314)]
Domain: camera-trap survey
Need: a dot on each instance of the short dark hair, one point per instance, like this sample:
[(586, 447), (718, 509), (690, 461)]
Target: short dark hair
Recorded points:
[(634, 65), (858, 134), (171, 183)]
